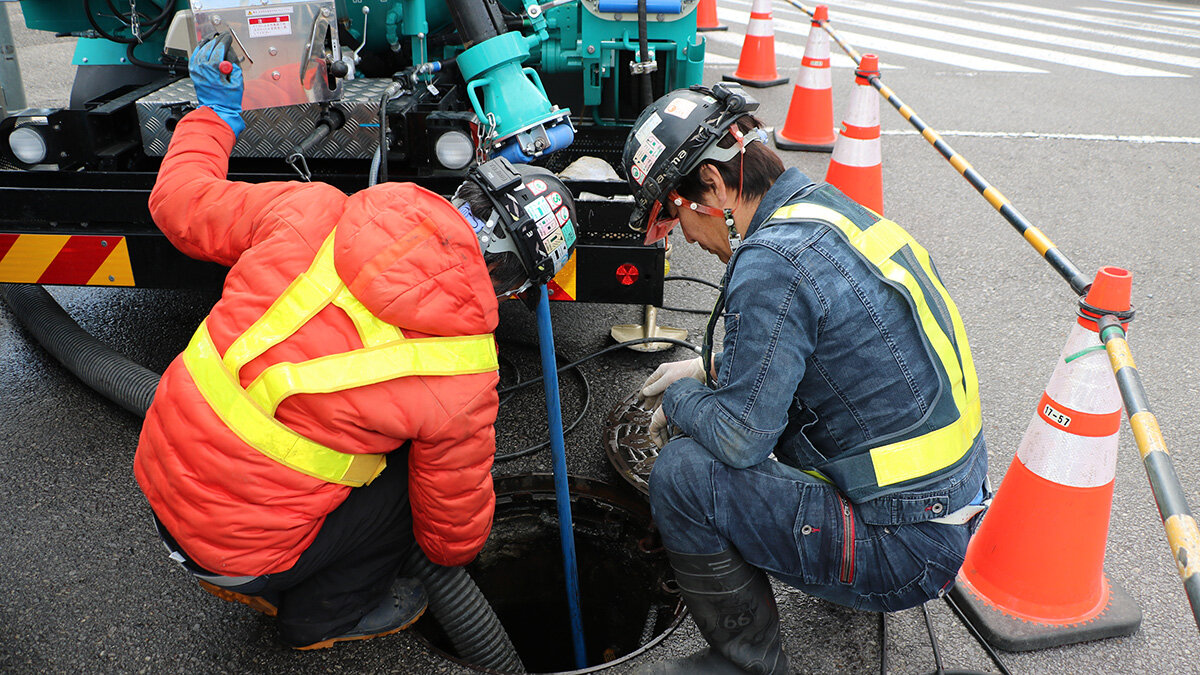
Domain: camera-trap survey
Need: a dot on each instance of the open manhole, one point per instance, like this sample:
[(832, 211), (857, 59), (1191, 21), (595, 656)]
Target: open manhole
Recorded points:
[(626, 588)]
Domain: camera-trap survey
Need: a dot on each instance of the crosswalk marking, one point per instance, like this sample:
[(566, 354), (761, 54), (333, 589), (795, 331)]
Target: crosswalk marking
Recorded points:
[(1086, 18), (902, 28), (1164, 16), (1091, 30), (871, 42), (1021, 34)]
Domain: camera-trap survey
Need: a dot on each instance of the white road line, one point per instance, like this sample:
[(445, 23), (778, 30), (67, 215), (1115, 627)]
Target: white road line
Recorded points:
[(1086, 18), (985, 44), (1057, 25), (1115, 138), (1021, 34), (1153, 5), (1160, 15), (886, 46)]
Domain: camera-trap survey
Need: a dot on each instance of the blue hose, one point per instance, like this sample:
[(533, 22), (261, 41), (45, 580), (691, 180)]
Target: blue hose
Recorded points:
[(562, 492)]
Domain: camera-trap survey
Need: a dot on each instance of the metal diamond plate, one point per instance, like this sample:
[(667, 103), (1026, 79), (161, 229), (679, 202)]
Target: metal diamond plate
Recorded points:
[(273, 132)]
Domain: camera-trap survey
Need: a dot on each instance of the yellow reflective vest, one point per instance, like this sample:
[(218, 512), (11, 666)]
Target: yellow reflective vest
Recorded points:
[(386, 354)]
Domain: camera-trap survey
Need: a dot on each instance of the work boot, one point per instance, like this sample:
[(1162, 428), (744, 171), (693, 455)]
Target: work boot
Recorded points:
[(256, 602), (734, 607), (398, 610)]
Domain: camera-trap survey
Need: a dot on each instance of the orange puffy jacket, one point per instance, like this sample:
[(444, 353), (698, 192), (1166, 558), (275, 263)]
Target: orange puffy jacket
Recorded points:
[(411, 259)]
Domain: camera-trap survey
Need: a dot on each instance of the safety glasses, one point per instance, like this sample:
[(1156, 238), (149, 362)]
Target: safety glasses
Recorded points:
[(661, 223)]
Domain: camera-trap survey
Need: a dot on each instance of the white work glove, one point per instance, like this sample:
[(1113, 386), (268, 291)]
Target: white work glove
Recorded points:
[(659, 432), (665, 375)]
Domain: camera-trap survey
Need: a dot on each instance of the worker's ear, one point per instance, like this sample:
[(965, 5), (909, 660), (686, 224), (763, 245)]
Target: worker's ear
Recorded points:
[(712, 181)]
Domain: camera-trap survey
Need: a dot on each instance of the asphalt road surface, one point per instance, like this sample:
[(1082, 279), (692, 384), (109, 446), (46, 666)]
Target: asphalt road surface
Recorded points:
[(1082, 112)]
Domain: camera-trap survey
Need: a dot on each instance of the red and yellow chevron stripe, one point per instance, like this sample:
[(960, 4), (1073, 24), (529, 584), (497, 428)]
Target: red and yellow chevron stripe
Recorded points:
[(562, 286), (91, 260)]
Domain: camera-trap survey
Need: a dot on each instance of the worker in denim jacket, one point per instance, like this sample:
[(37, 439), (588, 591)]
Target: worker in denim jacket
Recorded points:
[(836, 442)]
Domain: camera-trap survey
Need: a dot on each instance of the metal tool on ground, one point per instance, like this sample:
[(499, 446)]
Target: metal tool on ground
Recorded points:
[(1036, 238), (562, 492), (756, 64), (1183, 536), (809, 123), (856, 165)]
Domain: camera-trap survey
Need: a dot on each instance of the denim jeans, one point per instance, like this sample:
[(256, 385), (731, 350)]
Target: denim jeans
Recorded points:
[(801, 530)]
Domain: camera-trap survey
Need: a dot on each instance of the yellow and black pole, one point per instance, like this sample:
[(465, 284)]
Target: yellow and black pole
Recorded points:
[(1183, 536), (1036, 238)]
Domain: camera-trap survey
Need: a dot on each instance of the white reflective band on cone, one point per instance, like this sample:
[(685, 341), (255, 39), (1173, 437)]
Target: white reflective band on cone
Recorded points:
[(759, 28), (814, 78), (817, 46), (1086, 384), (857, 152), (863, 108)]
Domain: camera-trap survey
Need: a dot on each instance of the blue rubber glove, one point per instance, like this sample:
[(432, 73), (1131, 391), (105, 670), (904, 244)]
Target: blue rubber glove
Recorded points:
[(222, 93)]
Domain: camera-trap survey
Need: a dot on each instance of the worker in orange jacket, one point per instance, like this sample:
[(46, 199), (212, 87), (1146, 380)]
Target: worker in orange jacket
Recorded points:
[(348, 371)]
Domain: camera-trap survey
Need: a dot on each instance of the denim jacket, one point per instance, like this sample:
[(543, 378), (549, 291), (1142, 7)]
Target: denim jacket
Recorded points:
[(820, 356)]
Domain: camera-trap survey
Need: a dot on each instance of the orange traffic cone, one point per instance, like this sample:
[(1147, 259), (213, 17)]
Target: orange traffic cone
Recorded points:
[(809, 124), (1034, 572), (756, 65), (706, 16), (856, 166)]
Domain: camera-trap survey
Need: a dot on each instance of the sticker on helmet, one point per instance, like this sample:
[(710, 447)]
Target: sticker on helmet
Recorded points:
[(555, 199), (680, 107), (648, 126), (637, 175), (537, 186), (563, 215), (538, 208), (554, 240), (646, 155), (546, 225), (568, 230)]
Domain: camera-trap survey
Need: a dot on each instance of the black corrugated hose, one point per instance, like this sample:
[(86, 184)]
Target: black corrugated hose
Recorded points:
[(456, 601)]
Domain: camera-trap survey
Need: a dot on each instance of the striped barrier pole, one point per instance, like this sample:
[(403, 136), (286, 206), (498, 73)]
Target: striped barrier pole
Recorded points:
[(1036, 238), (1183, 536)]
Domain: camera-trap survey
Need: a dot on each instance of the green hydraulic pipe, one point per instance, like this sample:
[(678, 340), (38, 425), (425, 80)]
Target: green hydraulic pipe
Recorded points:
[(1183, 536), (1036, 238)]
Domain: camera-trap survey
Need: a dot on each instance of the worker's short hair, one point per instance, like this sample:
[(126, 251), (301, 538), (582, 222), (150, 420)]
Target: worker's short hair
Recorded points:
[(504, 268), (756, 169)]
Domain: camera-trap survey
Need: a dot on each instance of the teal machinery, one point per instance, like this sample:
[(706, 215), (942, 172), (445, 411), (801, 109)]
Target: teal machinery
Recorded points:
[(531, 74)]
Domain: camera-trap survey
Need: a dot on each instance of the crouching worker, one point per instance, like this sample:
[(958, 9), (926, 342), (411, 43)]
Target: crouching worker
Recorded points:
[(336, 407), (835, 444)]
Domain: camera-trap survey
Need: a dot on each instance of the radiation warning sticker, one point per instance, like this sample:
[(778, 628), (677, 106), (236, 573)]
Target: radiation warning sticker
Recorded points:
[(649, 151), (680, 107), (563, 215), (647, 127), (538, 208), (536, 186)]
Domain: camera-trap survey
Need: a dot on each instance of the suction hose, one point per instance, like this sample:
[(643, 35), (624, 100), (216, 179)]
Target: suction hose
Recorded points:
[(110, 373), (456, 601)]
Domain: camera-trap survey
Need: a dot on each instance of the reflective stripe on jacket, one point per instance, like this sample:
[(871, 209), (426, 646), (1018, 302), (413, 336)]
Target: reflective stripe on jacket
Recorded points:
[(951, 426), (386, 355)]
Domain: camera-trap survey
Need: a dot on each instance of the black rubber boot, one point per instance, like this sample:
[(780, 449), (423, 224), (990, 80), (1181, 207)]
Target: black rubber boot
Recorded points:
[(398, 610), (734, 607)]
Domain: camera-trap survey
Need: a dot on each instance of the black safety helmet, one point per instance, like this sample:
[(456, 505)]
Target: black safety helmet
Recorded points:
[(672, 136), (533, 218)]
